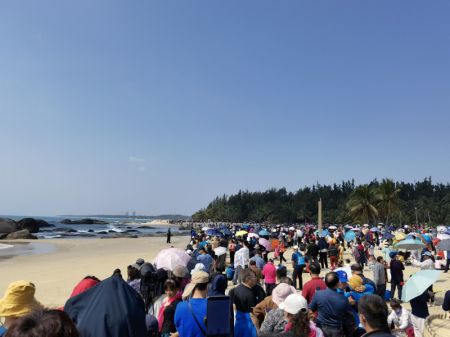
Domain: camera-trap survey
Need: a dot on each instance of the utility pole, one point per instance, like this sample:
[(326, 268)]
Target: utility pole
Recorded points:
[(319, 217)]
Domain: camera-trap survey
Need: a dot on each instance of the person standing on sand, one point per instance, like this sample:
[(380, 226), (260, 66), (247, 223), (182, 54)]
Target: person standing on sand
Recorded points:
[(169, 235)]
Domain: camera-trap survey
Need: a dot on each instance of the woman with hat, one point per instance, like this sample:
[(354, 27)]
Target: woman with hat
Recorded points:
[(18, 301), (274, 322), (295, 308), (190, 314)]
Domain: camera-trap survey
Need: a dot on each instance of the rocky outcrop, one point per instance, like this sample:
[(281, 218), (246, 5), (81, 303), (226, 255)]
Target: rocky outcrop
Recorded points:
[(22, 234), (84, 222), (29, 224), (8, 226)]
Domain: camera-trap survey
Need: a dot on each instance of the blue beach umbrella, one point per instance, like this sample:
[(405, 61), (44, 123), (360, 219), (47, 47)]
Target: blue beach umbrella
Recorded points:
[(418, 283), (264, 233), (350, 236), (387, 236), (409, 244), (374, 229), (213, 232), (426, 238), (324, 233), (225, 231)]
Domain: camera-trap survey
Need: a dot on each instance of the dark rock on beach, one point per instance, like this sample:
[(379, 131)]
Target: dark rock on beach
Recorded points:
[(84, 222), (22, 234), (146, 227), (8, 226), (119, 235), (3, 236), (102, 232), (30, 224)]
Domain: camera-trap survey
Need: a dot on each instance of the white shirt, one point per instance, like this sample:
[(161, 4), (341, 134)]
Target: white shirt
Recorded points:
[(401, 321)]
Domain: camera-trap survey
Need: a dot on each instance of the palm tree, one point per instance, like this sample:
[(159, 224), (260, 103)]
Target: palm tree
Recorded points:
[(361, 204), (387, 196)]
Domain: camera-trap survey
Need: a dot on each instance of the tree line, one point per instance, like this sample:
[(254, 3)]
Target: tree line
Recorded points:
[(383, 201)]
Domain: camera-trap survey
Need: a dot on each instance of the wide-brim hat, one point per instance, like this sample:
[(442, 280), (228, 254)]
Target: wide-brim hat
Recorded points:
[(198, 277), (19, 300)]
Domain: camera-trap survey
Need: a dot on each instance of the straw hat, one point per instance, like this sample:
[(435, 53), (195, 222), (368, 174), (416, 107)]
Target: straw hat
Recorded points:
[(197, 278), (356, 283), (19, 300)]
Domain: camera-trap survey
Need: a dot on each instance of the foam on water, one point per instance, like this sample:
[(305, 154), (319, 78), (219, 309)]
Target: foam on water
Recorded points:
[(3, 246)]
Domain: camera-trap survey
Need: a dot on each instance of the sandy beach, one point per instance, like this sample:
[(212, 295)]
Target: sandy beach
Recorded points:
[(56, 273)]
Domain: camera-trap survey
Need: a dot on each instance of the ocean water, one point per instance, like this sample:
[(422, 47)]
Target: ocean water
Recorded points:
[(113, 227)]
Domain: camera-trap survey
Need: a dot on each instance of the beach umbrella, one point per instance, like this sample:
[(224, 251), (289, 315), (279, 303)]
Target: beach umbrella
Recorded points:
[(418, 283), (205, 229), (213, 232), (332, 227), (253, 235), (387, 236), (225, 231), (265, 243), (241, 233), (324, 233), (409, 244), (350, 236), (441, 229), (399, 236), (365, 225), (170, 258), (220, 251), (356, 229), (264, 233), (443, 245), (443, 236), (427, 238), (374, 229)]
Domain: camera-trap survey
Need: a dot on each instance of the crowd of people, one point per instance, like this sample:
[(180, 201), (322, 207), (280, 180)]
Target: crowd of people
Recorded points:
[(249, 266)]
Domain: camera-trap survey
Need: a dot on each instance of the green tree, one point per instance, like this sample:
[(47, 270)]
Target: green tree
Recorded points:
[(388, 200), (362, 204)]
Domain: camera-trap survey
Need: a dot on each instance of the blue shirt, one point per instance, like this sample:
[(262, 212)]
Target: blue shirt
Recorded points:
[(330, 306), (185, 322), (298, 259), (207, 260), (2, 331), (259, 261)]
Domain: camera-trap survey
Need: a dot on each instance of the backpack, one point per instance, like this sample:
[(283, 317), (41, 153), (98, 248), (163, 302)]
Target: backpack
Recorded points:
[(221, 263)]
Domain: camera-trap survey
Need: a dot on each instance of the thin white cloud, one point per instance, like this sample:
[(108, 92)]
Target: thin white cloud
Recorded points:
[(134, 159)]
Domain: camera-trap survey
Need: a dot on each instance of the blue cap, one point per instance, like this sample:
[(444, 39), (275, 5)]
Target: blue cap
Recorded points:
[(342, 276), (392, 254)]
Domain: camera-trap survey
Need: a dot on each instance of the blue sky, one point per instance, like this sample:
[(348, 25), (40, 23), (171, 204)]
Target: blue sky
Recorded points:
[(159, 106)]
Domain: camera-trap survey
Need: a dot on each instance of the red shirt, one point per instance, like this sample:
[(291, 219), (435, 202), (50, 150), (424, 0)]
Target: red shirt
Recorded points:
[(310, 287), (270, 273)]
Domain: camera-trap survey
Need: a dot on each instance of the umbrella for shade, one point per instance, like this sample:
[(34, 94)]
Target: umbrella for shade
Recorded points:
[(264, 233), (374, 229), (443, 236), (409, 244), (332, 227), (213, 232), (350, 236), (241, 233), (427, 238), (399, 236), (324, 233), (387, 236), (253, 235), (220, 251), (443, 245), (225, 231), (205, 229), (418, 283), (265, 243), (170, 258), (291, 228), (356, 229)]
